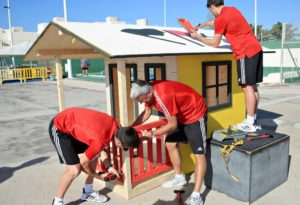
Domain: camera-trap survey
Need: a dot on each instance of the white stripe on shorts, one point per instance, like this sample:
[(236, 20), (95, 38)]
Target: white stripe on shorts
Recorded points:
[(243, 72), (57, 144), (203, 130)]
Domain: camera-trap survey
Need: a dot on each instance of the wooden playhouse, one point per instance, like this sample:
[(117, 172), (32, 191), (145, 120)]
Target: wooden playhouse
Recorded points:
[(135, 52)]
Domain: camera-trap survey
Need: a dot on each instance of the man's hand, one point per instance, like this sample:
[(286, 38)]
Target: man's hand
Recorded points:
[(146, 133), (113, 171), (195, 35)]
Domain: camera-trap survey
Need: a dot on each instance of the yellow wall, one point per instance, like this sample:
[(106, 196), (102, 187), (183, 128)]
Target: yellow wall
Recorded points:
[(190, 73)]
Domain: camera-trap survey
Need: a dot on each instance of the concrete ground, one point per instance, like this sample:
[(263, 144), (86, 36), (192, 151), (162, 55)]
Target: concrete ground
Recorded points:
[(29, 168)]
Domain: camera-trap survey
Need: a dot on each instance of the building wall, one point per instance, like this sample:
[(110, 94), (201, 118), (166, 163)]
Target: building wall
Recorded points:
[(19, 36)]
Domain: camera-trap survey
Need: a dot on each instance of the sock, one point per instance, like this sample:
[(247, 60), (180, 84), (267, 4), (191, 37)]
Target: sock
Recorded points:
[(196, 194), (250, 119), (88, 188)]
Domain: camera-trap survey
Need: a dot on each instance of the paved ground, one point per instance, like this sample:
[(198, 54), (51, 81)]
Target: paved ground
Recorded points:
[(29, 170)]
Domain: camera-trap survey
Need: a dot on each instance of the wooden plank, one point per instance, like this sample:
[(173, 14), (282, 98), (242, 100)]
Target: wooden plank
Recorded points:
[(42, 52)]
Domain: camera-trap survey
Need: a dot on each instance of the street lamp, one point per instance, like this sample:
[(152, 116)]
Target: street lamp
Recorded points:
[(69, 64), (165, 13), (255, 18), (11, 32)]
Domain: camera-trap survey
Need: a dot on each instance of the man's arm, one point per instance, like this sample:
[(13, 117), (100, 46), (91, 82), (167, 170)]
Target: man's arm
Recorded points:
[(107, 163), (144, 116), (206, 24), (87, 167), (171, 125), (214, 42)]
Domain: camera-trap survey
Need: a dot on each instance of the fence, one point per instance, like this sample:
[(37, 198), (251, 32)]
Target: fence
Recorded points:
[(23, 74), (290, 57), (149, 160)]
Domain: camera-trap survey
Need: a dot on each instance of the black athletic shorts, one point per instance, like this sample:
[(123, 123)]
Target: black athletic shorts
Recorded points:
[(67, 147), (194, 133), (250, 70)]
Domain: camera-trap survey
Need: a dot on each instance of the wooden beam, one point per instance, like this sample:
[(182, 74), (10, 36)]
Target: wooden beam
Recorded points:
[(43, 52), (60, 86)]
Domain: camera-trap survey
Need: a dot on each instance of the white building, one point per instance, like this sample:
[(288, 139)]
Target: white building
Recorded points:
[(19, 36)]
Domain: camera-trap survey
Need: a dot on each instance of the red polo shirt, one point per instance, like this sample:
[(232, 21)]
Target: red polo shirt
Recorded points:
[(177, 99), (96, 129), (232, 24)]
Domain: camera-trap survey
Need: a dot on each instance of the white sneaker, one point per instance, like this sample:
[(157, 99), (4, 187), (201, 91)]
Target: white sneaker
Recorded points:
[(93, 196), (54, 202), (257, 126), (175, 181), (194, 200), (246, 127)]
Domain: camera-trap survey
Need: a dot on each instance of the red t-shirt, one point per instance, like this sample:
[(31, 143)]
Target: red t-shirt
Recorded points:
[(232, 24), (176, 99), (91, 127)]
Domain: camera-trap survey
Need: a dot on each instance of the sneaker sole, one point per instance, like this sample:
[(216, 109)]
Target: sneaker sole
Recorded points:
[(180, 184)]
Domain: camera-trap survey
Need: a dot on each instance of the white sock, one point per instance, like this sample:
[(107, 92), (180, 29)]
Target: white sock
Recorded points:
[(250, 119), (88, 188), (196, 194)]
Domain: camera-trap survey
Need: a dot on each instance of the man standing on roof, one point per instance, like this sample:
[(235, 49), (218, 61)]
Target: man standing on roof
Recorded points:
[(80, 136), (185, 111), (246, 50)]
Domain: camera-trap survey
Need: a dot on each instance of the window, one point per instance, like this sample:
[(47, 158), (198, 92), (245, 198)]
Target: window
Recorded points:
[(217, 84), (155, 71)]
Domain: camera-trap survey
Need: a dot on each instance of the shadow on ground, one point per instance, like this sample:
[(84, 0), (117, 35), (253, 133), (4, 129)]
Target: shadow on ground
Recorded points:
[(7, 172)]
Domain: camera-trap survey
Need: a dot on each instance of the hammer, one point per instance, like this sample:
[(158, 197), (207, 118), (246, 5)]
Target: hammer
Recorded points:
[(249, 138), (179, 192)]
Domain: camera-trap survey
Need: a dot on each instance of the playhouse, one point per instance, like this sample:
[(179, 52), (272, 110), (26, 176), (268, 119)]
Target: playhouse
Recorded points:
[(133, 52)]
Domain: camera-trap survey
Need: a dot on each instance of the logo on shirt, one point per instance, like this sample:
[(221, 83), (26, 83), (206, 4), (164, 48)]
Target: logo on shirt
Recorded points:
[(199, 149)]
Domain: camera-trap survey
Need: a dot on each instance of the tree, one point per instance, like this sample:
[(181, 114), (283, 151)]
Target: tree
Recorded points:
[(276, 30), (260, 31), (290, 30)]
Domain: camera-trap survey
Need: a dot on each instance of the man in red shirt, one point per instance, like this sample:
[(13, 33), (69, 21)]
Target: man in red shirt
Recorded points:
[(246, 50), (80, 137), (185, 112)]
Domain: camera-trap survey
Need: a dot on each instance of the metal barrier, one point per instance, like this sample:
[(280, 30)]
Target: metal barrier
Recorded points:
[(150, 159), (23, 74)]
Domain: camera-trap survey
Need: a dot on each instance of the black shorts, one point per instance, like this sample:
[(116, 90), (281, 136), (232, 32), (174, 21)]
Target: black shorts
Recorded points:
[(67, 147), (194, 133), (250, 70)]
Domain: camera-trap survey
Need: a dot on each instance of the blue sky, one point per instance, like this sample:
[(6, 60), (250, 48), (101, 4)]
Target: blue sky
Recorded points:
[(28, 13)]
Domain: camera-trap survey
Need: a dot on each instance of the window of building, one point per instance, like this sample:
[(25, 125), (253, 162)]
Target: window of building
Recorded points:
[(155, 71), (217, 84)]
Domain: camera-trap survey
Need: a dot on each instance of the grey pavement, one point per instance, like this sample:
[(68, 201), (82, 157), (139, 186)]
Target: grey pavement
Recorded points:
[(29, 168)]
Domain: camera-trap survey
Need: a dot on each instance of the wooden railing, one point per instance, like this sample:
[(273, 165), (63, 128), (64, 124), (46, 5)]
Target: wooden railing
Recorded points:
[(149, 160)]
